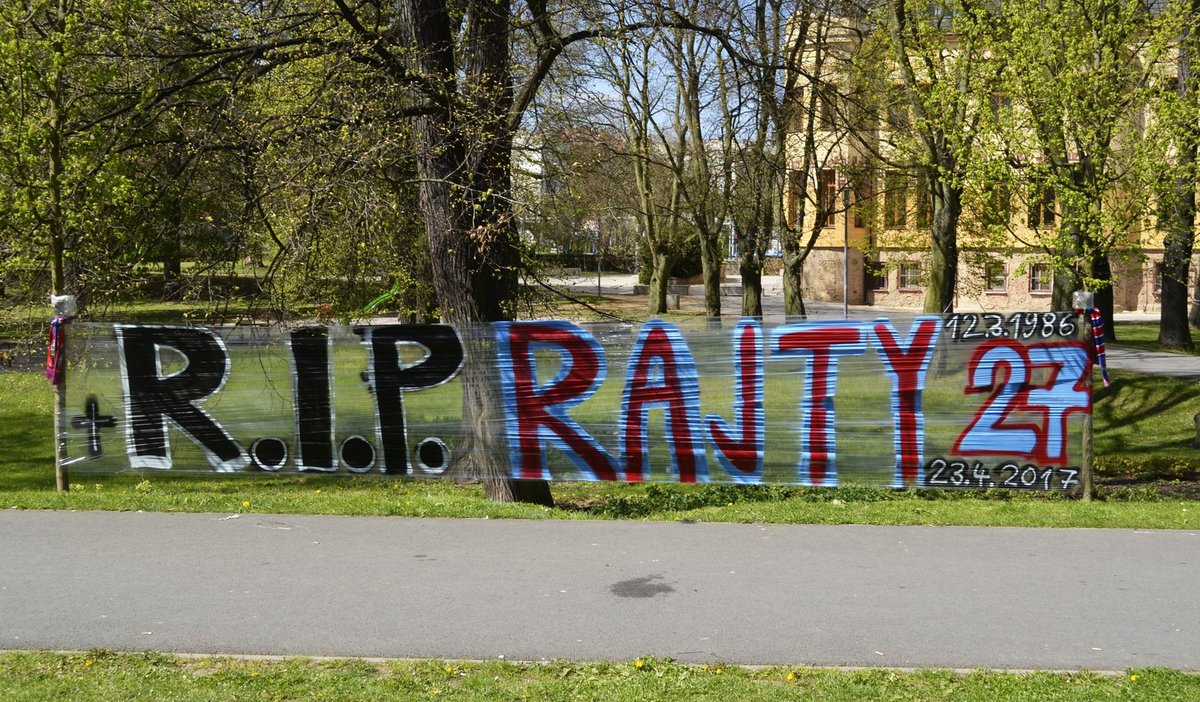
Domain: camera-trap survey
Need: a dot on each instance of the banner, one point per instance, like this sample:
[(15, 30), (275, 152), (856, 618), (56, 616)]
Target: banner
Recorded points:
[(966, 400)]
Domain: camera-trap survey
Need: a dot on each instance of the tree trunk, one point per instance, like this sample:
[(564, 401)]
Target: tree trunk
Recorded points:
[(173, 246), (710, 262), (1101, 272), (752, 293), (1173, 329), (56, 153), (793, 281), (1067, 281), (659, 276), (463, 151), (943, 268)]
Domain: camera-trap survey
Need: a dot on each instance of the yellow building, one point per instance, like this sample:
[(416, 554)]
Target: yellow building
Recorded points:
[(883, 236)]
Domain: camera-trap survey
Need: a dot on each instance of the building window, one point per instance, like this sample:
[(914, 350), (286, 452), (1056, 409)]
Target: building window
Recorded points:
[(1041, 212), (827, 190), (895, 202), (1158, 277), (910, 276), (995, 277), (1040, 278), (897, 116), (877, 277)]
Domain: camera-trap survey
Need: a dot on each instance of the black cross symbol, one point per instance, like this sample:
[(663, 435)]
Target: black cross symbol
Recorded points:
[(93, 421)]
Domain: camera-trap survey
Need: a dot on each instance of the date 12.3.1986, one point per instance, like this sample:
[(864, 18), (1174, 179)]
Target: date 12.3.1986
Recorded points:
[(1018, 325)]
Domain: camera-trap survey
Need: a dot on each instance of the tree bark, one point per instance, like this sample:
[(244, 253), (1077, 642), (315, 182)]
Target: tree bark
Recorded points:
[(1173, 327), (711, 261), (463, 152), (752, 293), (793, 283), (1101, 272), (943, 268), (1070, 250), (659, 277), (1064, 286)]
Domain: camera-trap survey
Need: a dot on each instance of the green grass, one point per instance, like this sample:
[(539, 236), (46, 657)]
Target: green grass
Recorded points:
[(1144, 336), (102, 676), (1144, 426)]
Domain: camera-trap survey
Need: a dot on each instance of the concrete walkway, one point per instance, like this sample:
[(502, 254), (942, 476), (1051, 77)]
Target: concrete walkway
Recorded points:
[(1173, 364), (535, 590)]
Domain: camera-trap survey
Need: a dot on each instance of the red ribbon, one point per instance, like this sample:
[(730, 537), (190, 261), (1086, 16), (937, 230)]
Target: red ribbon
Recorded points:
[(55, 350)]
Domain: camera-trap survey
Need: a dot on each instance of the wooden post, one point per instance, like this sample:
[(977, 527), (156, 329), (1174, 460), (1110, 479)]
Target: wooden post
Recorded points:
[(64, 311), (62, 479), (1085, 475), (1085, 470), (1083, 301)]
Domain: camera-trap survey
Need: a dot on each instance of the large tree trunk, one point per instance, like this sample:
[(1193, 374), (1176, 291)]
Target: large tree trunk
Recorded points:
[(1173, 330), (793, 283), (1101, 272), (1064, 286), (943, 268), (463, 151), (1068, 280), (659, 277), (751, 270)]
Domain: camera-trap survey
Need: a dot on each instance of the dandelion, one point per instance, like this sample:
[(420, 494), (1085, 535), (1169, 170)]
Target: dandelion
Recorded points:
[(718, 670), (1133, 677), (728, 504), (791, 675), (88, 663), (639, 664), (434, 693), (245, 504)]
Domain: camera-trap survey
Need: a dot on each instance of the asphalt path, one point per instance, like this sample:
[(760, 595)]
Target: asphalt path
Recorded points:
[(532, 590)]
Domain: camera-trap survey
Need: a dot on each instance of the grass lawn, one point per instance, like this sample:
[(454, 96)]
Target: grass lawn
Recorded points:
[(101, 676), (1144, 336)]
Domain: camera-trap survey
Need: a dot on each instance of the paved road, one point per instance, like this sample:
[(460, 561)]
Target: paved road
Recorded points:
[(530, 590)]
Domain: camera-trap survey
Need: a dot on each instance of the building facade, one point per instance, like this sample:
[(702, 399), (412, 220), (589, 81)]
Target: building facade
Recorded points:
[(848, 187)]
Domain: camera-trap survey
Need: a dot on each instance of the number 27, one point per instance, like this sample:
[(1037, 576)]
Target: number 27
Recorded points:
[(1041, 432)]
